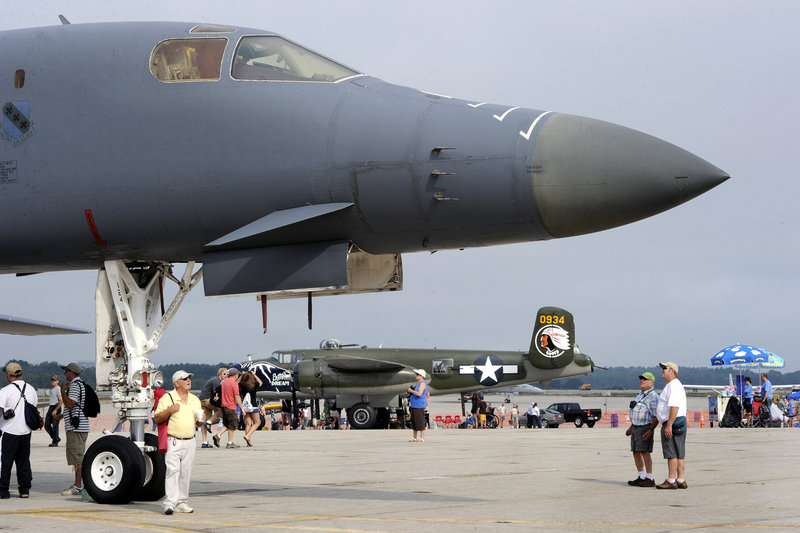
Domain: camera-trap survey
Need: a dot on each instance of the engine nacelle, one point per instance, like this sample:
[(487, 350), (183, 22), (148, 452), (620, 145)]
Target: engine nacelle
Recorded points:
[(553, 341), (320, 378)]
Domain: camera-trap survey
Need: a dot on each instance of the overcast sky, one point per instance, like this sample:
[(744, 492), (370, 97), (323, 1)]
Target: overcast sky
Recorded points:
[(718, 78)]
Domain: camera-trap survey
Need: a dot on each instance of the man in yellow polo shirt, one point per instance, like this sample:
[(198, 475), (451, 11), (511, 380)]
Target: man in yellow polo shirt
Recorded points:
[(185, 414)]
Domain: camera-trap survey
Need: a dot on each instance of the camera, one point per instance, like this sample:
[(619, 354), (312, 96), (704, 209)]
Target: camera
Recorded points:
[(633, 404), (75, 421), (8, 414)]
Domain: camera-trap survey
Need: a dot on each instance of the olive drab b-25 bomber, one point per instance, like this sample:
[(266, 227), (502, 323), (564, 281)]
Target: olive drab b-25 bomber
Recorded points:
[(369, 381), (127, 148)]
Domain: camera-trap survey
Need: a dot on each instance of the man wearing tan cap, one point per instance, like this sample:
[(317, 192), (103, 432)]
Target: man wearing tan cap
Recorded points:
[(643, 421), (671, 412), (15, 435), (184, 414)]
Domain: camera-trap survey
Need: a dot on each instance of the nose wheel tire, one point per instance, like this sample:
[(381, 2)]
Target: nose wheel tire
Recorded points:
[(155, 470), (113, 470)]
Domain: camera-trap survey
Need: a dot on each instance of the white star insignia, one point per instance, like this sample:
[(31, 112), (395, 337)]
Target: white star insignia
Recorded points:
[(488, 370)]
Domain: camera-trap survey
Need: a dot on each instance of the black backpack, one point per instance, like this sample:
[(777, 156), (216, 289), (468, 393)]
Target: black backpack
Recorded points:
[(91, 407)]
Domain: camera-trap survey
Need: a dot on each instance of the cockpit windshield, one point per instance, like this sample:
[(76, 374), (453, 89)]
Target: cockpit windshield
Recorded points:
[(269, 57)]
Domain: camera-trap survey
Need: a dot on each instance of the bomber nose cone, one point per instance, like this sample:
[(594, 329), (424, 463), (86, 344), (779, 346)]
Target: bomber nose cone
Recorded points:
[(589, 175)]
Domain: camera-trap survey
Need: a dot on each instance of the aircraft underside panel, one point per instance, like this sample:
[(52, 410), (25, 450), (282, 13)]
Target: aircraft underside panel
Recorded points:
[(293, 271)]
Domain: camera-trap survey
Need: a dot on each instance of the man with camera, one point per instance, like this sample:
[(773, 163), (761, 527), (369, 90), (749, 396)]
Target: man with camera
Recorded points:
[(76, 424), (15, 435), (643, 421)]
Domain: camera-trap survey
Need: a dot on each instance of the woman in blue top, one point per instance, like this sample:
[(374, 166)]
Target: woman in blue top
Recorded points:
[(417, 402)]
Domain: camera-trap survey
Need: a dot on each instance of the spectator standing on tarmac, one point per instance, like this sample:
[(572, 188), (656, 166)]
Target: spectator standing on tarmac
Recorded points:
[(766, 396), (529, 425), (514, 416), (15, 435), (643, 421), (213, 414), (747, 399), (230, 401), (180, 409), (671, 412), (417, 403), (501, 414), (537, 416), (53, 410), (76, 424), (482, 412)]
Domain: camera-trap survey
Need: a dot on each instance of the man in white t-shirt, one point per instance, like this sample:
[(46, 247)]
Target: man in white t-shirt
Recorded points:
[(15, 435), (671, 413)]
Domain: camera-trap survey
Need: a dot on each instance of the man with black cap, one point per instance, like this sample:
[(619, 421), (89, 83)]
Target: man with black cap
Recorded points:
[(76, 423), (184, 414), (671, 412), (15, 435), (643, 421)]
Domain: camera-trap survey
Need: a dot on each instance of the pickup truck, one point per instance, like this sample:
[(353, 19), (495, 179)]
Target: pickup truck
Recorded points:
[(573, 412)]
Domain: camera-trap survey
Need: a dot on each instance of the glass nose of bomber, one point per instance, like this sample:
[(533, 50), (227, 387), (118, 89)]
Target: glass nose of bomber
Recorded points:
[(589, 175)]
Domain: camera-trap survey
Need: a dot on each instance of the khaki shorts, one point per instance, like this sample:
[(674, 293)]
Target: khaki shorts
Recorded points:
[(208, 409), (76, 447)]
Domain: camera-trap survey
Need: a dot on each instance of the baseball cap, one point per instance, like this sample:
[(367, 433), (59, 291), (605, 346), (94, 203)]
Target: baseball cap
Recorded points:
[(73, 367), (419, 371), (669, 364), (647, 375), (54, 378), (181, 374), (13, 369)]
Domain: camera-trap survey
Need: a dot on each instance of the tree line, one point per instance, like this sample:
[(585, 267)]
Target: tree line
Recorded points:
[(616, 377)]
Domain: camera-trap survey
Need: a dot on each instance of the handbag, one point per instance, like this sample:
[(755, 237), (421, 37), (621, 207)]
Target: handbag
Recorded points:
[(679, 425), (162, 431), (247, 405)]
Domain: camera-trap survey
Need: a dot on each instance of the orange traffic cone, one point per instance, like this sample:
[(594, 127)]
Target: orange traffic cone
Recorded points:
[(702, 421)]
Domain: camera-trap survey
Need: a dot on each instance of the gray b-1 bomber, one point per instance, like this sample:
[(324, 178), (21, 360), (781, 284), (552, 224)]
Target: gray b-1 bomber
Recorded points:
[(126, 148), (368, 381)]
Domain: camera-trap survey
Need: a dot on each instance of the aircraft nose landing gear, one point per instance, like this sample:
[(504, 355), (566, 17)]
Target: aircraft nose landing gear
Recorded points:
[(119, 469)]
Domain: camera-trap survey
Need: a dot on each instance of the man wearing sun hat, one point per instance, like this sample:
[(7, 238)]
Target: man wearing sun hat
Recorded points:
[(184, 414), (643, 419), (671, 412)]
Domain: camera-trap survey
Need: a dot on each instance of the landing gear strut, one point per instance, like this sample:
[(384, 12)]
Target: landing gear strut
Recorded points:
[(128, 298)]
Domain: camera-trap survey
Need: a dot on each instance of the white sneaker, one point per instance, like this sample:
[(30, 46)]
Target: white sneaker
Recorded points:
[(183, 508), (72, 491), (168, 509)]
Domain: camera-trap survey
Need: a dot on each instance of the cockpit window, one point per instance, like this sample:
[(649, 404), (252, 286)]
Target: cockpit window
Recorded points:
[(269, 57), (188, 59)]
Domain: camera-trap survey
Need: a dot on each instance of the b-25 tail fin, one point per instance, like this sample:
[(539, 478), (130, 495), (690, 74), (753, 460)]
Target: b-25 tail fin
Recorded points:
[(553, 341)]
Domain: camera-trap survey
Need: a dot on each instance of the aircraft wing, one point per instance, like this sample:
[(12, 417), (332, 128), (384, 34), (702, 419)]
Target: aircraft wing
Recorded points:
[(705, 388), (351, 363), (22, 326)]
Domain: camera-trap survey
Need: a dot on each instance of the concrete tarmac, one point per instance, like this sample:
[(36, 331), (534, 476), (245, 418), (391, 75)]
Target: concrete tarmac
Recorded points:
[(457, 480)]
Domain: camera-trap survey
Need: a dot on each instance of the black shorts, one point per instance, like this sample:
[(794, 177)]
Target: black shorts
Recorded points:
[(418, 418), (747, 403)]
